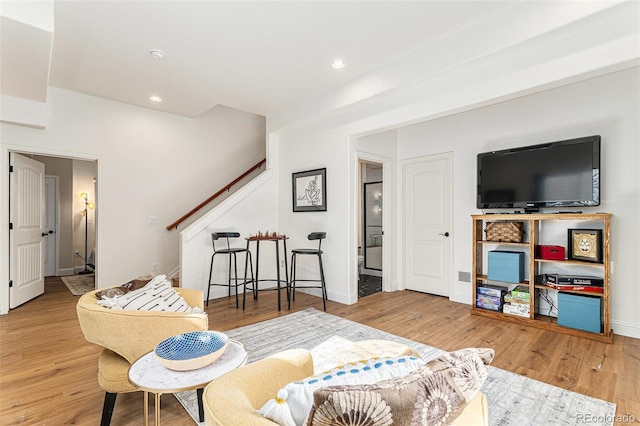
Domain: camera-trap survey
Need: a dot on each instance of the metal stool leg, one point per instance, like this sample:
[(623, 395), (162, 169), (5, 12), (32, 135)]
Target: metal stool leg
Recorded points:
[(293, 276), (292, 281), (210, 275), (324, 288), (229, 276), (248, 261), (235, 279)]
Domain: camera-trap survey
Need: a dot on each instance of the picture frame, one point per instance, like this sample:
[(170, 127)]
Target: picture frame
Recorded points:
[(309, 189), (585, 245)]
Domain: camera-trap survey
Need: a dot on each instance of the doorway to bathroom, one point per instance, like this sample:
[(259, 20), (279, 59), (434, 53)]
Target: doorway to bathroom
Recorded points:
[(370, 244)]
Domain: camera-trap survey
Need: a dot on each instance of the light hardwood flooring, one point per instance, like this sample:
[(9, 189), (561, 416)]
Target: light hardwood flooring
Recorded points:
[(48, 371)]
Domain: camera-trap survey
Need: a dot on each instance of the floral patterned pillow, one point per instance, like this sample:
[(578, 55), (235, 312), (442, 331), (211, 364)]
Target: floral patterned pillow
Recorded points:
[(433, 395)]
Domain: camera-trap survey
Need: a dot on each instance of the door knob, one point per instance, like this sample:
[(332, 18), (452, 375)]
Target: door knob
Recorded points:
[(444, 234)]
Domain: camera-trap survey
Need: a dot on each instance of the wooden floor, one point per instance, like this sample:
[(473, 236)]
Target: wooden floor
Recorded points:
[(48, 371)]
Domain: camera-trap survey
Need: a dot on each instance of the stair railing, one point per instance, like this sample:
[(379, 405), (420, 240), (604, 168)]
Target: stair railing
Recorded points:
[(228, 186)]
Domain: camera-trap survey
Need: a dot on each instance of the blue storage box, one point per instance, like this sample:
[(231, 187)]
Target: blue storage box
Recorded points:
[(506, 266), (581, 312)]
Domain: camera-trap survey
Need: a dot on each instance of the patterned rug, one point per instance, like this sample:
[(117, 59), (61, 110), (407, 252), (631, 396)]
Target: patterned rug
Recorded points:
[(79, 284), (514, 400)]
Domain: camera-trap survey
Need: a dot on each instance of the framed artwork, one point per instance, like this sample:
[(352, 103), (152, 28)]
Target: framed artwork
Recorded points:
[(585, 244), (310, 191)]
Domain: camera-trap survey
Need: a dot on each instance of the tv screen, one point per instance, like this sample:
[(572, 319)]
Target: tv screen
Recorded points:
[(556, 174)]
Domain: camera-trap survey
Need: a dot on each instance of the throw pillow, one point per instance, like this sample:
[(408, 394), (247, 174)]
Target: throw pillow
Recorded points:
[(298, 398), (124, 288), (433, 395), (157, 295)]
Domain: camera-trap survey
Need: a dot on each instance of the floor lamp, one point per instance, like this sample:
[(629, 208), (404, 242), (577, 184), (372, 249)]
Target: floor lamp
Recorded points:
[(85, 213)]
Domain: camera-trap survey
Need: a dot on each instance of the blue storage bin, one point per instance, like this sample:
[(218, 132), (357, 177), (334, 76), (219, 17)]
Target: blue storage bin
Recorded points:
[(581, 312), (506, 266)]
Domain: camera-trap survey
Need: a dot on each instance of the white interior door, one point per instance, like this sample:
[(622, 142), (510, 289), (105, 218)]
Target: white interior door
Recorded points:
[(427, 222), (27, 219), (50, 226)]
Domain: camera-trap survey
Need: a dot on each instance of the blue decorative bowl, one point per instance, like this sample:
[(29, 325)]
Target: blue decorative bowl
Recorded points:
[(192, 350)]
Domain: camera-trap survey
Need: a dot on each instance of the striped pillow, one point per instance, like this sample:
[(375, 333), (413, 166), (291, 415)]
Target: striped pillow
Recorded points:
[(157, 295)]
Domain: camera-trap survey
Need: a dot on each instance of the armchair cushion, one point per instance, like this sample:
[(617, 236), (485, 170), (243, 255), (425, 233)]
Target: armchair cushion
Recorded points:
[(113, 373)]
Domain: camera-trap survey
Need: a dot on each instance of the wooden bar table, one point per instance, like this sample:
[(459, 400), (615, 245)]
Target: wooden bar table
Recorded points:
[(275, 238)]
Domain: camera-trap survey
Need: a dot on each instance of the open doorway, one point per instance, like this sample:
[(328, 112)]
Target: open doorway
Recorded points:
[(371, 231), (67, 231)]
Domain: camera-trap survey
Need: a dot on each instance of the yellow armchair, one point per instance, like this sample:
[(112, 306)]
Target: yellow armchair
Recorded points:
[(127, 335)]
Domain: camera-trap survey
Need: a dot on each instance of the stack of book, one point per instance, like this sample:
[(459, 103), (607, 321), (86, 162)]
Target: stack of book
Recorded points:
[(518, 302), (573, 283), (490, 297)]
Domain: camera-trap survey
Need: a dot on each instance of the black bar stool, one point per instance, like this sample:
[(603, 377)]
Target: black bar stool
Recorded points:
[(231, 252), (315, 252)]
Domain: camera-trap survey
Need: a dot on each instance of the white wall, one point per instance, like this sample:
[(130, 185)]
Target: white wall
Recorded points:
[(149, 164)]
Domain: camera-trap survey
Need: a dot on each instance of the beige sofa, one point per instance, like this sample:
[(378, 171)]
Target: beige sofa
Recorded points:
[(127, 335), (232, 400)]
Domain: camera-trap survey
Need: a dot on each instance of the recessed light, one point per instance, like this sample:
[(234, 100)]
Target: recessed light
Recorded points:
[(337, 64), (156, 53), (155, 98)]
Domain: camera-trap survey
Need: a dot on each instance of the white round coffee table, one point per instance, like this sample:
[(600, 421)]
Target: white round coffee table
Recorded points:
[(148, 375)]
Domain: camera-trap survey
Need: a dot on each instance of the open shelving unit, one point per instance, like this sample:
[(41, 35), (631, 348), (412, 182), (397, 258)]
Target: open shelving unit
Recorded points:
[(534, 226)]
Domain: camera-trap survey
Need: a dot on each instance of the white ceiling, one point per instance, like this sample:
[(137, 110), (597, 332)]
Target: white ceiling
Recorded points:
[(254, 56)]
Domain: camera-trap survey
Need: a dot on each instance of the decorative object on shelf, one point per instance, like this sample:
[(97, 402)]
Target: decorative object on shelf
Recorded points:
[(268, 235), (550, 252), (580, 312), (585, 244), (504, 232), (310, 191), (192, 350), (505, 266), (85, 214)]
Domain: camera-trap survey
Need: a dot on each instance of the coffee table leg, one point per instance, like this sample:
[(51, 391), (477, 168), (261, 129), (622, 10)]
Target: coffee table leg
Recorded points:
[(146, 409), (157, 398)]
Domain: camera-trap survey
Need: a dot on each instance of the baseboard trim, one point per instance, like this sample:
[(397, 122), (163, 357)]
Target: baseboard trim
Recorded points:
[(628, 329), (66, 271)]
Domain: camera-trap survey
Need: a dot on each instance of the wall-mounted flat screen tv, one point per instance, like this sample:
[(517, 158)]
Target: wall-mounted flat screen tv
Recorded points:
[(555, 174)]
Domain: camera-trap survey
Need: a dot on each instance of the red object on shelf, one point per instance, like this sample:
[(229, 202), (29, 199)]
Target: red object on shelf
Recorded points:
[(550, 252)]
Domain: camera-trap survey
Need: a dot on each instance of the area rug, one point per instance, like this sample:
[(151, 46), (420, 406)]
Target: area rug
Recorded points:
[(79, 284), (514, 400)]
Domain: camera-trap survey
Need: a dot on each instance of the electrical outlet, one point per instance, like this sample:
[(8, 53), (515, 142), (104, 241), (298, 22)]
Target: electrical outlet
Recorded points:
[(154, 267), (282, 263)]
